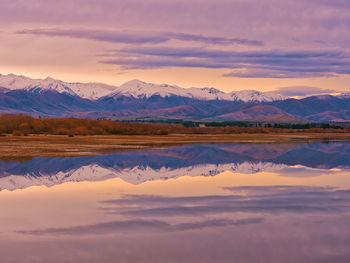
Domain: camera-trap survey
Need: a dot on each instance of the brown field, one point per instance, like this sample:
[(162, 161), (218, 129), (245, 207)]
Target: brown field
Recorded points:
[(26, 147)]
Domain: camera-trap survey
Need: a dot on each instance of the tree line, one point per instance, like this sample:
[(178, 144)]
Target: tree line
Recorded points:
[(20, 124)]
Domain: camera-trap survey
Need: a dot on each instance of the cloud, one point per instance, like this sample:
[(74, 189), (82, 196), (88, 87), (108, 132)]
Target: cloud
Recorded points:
[(276, 74), (337, 4), (215, 40), (302, 91), (216, 223), (244, 64), (244, 17), (222, 22), (99, 35), (277, 56), (138, 37), (271, 24)]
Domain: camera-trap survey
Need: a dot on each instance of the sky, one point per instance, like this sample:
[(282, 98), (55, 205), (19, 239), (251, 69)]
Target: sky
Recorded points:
[(296, 47)]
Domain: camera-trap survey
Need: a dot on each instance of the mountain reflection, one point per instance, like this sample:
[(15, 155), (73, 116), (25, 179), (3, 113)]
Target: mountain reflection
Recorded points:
[(137, 166)]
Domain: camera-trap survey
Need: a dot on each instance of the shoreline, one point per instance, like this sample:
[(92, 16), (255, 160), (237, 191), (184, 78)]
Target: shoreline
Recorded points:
[(17, 147)]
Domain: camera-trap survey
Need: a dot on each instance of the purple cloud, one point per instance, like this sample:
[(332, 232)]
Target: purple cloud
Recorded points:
[(106, 36), (276, 74), (302, 91), (133, 37), (273, 27), (245, 64)]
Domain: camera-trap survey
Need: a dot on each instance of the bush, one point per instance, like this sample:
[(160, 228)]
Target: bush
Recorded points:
[(81, 130), (17, 133), (61, 131)]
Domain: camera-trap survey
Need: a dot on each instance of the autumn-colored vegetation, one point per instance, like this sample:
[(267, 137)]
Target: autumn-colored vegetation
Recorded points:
[(20, 124)]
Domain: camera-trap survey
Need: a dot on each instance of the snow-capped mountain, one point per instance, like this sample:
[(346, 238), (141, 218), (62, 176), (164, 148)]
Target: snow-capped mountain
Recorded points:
[(134, 88), (344, 95), (253, 95), (13, 82), (90, 91), (139, 89), (140, 100)]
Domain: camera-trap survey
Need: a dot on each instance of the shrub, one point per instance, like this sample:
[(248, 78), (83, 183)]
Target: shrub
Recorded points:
[(61, 131), (16, 133)]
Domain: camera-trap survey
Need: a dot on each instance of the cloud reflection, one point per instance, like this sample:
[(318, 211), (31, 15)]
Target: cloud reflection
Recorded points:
[(116, 227), (250, 199), (244, 206)]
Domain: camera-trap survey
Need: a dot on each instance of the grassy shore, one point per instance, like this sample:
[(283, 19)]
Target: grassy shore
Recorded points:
[(26, 147)]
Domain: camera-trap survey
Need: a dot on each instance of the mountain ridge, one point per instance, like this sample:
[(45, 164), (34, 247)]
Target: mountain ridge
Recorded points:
[(133, 88), (140, 100)]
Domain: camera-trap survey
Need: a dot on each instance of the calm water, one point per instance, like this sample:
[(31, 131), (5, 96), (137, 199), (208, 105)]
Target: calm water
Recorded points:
[(199, 203)]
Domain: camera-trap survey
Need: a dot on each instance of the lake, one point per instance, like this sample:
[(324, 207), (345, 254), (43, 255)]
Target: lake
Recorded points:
[(244, 202)]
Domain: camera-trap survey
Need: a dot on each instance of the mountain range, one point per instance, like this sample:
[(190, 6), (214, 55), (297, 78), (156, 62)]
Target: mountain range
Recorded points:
[(139, 100)]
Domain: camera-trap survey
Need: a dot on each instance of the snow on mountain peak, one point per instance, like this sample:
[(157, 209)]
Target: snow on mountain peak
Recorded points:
[(212, 90), (139, 89), (12, 82), (344, 95), (253, 95), (133, 88), (89, 90)]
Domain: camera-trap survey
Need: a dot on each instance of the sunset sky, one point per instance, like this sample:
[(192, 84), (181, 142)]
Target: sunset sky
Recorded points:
[(299, 46)]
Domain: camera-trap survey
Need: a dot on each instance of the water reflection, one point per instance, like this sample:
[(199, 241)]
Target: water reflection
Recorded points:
[(244, 205), (224, 203), (194, 160)]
